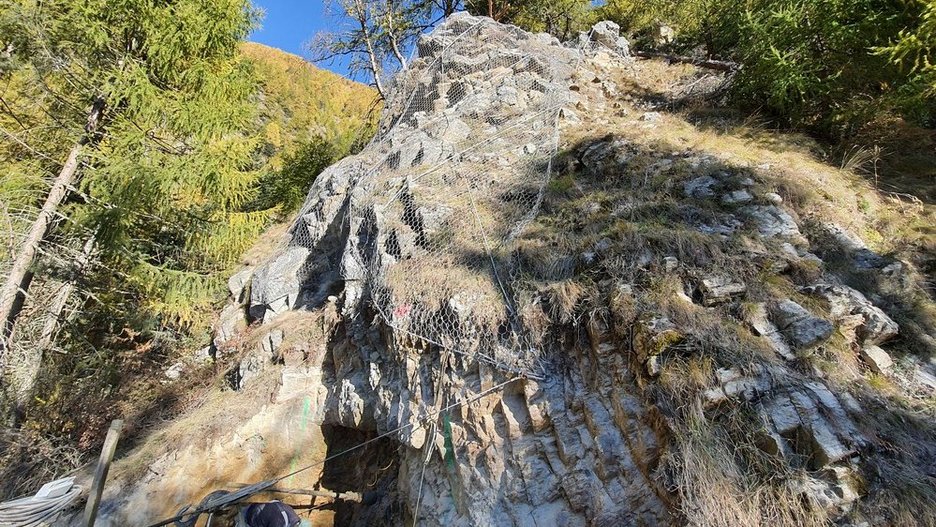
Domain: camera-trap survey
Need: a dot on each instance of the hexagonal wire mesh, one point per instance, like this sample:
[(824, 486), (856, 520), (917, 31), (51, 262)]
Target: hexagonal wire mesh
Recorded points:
[(457, 170)]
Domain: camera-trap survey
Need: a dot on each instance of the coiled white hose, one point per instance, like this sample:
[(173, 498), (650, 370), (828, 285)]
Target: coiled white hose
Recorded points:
[(41, 509)]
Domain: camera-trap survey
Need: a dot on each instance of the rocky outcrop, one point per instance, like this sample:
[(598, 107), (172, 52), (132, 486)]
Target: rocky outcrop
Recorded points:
[(453, 325)]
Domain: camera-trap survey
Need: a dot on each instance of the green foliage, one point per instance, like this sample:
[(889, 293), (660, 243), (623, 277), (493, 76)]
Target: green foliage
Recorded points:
[(288, 186), (196, 125), (810, 62), (300, 103), (914, 52), (562, 18), (828, 65)]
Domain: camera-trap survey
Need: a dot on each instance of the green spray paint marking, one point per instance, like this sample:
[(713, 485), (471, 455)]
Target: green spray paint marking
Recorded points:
[(449, 446), (449, 457), (306, 412), (304, 421)]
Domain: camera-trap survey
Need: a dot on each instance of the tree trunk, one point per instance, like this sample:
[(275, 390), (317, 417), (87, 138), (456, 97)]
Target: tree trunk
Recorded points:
[(63, 295), (393, 36), (17, 282), (361, 13)]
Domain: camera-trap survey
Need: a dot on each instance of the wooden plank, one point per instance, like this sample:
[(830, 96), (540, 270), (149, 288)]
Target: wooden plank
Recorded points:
[(720, 65), (348, 496), (100, 473)]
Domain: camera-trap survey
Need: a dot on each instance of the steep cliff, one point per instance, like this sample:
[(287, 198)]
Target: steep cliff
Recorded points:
[(543, 297)]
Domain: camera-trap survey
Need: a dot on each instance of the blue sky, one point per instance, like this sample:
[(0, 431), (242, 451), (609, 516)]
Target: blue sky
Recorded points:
[(290, 25)]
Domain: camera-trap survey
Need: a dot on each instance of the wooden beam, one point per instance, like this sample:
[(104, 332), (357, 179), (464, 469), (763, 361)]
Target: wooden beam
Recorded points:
[(347, 496), (100, 473), (720, 65)]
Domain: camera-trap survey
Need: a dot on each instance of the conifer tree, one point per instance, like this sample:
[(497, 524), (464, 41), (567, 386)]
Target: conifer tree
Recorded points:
[(168, 165)]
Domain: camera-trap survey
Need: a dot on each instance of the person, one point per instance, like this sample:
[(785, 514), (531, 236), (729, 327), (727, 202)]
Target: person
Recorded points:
[(271, 514)]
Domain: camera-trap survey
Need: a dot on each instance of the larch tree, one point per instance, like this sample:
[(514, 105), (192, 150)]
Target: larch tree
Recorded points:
[(162, 166)]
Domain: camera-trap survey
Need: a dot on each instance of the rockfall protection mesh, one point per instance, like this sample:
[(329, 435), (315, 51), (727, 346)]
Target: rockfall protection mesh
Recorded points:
[(458, 168)]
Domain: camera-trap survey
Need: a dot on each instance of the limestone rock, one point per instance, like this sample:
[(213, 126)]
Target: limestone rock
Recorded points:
[(663, 34), (251, 366), (232, 321), (652, 335), (802, 329), (874, 326), (608, 34), (877, 359), (720, 289), (773, 198), (813, 424), (175, 371), (238, 282), (771, 221), (700, 187), (670, 263), (735, 384), (280, 280), (854, 247), (757, 317), (737, 197)]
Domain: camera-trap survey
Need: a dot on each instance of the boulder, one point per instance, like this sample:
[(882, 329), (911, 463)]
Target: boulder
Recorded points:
[(773, 198), (877, 359), (850, 307), (663, 34), (232, 321), (175, 371), (238, 282), (670, 263), (607, 34), (276, 285), (719, 290), (756, 316), (700, 187), (771, 221), (813, 425), (802, 329), (861, 255), (737, 197), (652, 335)]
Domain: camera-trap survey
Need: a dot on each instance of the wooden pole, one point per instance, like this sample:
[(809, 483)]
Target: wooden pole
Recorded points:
[(100, 473), (720, 65), (347, 496)]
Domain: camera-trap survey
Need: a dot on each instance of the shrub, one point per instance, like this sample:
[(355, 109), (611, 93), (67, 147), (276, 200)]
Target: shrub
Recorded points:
[(288, 187)]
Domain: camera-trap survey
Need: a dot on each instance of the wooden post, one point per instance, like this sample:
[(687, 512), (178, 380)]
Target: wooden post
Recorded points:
[(100, 473)]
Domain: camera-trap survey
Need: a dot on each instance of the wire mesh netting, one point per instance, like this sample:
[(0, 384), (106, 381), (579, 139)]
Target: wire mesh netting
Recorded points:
[(457, 169)]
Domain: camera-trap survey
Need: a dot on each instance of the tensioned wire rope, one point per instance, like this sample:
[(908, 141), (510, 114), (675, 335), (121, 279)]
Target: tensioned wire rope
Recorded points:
[(426, 418), (237, 496)]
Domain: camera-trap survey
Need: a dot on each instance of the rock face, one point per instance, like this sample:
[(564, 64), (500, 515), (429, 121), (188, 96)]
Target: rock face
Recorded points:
[(458, 168), (802, 328), (850, 307), (465, 354)]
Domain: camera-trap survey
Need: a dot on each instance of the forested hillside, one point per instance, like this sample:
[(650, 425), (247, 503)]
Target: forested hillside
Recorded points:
[(301, 102), (144, 149)]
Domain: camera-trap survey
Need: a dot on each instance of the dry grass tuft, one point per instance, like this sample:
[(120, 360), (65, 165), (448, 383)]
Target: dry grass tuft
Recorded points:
[(711, 472)]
